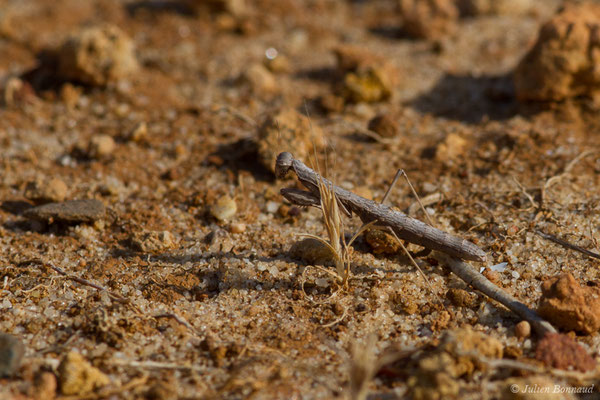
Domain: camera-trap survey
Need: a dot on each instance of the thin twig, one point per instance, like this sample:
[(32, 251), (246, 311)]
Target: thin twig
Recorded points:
[(552, 180), (465, 272), (155, 365), (568, 245), (331, 296), (337, 321), (85, 282), (524, 191), (236, 113), (515, 364), (179, 320), (367, 132)]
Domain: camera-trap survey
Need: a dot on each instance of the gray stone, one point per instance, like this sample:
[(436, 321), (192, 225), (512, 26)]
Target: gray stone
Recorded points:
[(88, 210), (11, 353)]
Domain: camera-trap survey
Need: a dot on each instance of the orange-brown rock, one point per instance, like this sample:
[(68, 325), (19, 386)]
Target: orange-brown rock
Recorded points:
[(570, 306), (287, 130), (565, 60), (429, 19), (368, 77), (97, 56), (381, 242)]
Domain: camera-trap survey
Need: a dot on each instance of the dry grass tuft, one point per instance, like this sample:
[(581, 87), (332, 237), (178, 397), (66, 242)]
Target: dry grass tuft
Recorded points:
[(335, 231)]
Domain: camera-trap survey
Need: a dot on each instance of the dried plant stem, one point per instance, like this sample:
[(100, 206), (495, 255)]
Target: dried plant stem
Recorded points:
[(156, 365), (367, 132), (465, 272), (568, 245), (554, 179), (335, 276), (236, 113), (515, 364), (524, 191), (336, 321), (179, 320), (118, 298)]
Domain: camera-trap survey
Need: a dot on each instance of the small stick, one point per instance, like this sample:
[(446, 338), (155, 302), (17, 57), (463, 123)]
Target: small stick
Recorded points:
[(178, 319), (365, 131), (524, 191), (405, 227), (465, 272), (520, 365), (155, 365), (85, 282), (553, 179), (236, 113), (568, 245)]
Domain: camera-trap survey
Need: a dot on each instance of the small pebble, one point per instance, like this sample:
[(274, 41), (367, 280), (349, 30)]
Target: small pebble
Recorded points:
[(78, 377), (11, 354), (361, 307), (237, 227), (154, 242), (16, 92), (381, 242), (499, 267), (337, 309), (278, 65), (452, 147), (272, 207), (322, 282), (369, 86), (45, 191), (224, 209), (139, 133), (70, 94), (88, 210), (432, 19), (260, 79), (560, 65), (312, 251), (331, 102), (101, 146), (384, 126), (287, 130), (461, 298), (97, 56), (522, 329), (44, 386)]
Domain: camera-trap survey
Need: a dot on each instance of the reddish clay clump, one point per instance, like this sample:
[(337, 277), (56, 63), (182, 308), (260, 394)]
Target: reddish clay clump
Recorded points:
[(570, 306), (560, 351)]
